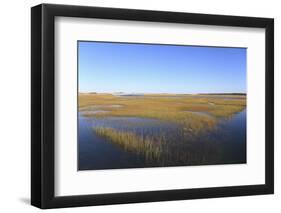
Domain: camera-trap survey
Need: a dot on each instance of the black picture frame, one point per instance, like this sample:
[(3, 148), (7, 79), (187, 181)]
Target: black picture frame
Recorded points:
[(43, 110)]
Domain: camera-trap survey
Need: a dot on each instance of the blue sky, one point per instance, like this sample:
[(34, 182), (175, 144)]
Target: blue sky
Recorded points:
[(151, 68)]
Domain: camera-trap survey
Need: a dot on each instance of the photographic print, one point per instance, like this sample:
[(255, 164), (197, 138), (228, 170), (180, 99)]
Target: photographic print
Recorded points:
[(131, 106), (159, 105)]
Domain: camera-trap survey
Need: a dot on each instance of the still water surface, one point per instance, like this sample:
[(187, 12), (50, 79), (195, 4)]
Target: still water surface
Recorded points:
[(96, 152)]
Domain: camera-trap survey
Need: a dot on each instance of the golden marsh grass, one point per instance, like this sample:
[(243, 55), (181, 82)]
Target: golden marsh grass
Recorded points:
[(167, 107), (151, 149), (158, 149)]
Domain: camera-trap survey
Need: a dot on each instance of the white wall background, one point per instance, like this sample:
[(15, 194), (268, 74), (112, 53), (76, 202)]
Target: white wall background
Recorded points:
[(15, 105)]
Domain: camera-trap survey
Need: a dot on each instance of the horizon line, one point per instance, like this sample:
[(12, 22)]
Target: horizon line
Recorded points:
[(162, 92)]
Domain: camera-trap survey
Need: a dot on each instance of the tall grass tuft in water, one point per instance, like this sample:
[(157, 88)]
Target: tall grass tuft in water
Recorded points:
[(158, 149), (129, 141)]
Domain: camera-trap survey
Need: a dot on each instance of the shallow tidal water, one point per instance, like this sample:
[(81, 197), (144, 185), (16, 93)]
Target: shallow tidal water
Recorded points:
[(226, 144)]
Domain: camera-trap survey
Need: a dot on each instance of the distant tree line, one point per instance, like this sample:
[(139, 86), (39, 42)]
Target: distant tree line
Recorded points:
[(222, 93)]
